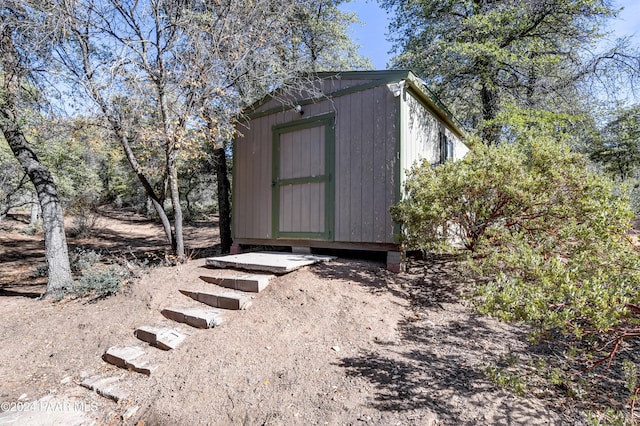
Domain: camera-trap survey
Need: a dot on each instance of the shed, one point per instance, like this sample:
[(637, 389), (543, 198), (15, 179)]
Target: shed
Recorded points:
[(321, 171)]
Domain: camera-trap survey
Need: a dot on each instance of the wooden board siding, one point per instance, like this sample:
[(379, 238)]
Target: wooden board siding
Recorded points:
[(302, 153), (365, 167), (252, 187), (365, 149), (420, 130), (302, 208)]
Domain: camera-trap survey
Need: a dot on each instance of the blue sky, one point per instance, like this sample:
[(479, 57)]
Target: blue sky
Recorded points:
[(372, 34)]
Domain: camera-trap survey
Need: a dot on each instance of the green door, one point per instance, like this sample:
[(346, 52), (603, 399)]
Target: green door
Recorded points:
[(302, 178)]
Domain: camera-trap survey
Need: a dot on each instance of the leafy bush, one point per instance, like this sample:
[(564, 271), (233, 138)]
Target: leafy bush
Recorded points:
[(82, 259), (96, 278), (100, 281), (548, 234), (31, 229), (39, 271)]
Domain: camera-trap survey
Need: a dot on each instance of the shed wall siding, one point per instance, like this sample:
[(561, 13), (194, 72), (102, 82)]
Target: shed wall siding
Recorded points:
[(420, 130), (421, 140), (365, 159), (365, 145)]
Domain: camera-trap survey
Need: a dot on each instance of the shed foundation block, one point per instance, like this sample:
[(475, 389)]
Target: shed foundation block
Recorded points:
[(395, 261)]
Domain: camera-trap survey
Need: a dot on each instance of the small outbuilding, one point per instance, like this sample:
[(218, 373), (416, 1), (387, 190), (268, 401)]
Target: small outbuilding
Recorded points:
[(322, 170)]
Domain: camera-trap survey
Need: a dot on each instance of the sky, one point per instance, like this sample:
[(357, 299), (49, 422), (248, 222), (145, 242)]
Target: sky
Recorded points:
[(371, 35)]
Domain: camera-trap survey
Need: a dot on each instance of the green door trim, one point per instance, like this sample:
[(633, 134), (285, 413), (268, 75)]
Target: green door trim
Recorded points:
[(328, 121)]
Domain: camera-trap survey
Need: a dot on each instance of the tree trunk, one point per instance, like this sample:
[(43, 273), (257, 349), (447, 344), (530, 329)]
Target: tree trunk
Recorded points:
[(490, 129), (55, 242), (177, 209), (224, 204), (135, 166)]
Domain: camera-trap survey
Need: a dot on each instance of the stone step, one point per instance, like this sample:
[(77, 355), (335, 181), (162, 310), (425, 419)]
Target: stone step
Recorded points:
[(109, 387), (274, 262), (195, 317), (129, 357), (223, 299), (160, 337), (142, 366), (252, 283)]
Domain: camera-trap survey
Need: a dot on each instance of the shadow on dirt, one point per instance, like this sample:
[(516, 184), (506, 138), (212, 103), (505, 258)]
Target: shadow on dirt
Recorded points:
[(22, 291), (438, 363), (360, 270)]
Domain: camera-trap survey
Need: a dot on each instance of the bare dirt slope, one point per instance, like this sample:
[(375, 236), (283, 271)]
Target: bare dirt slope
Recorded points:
[(344, 342)]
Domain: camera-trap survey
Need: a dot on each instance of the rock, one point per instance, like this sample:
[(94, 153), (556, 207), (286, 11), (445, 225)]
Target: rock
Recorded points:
[(162, 338), (130, 357), (108, 387), (195, 317), (223, 299)]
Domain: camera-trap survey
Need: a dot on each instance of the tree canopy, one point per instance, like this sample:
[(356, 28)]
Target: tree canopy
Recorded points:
[(480, 56), (618, 146)]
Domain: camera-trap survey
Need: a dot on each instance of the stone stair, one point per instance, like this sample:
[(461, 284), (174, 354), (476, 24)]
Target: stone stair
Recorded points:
[(230, 290), (160, 337), (107, 386), (250, 283), (133, 358), (195, 317), (223, 299)]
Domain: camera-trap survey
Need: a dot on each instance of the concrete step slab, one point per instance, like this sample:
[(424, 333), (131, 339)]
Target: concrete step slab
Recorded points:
[(223, 299), (121, 355), (275, 262), (252, 283), (142, 366), (195, 317), (160, 337), (129, 357), (109, 387)]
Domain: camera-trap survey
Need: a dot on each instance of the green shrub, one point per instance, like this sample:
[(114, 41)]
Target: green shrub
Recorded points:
[(84, 220), (100, 281), (31, 229), (40, 271), (82, 259), (547, 234), (94, 276)]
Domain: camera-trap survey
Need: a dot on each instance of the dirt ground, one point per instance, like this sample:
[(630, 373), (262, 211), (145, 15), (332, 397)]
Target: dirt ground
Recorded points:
[(339, 343)]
